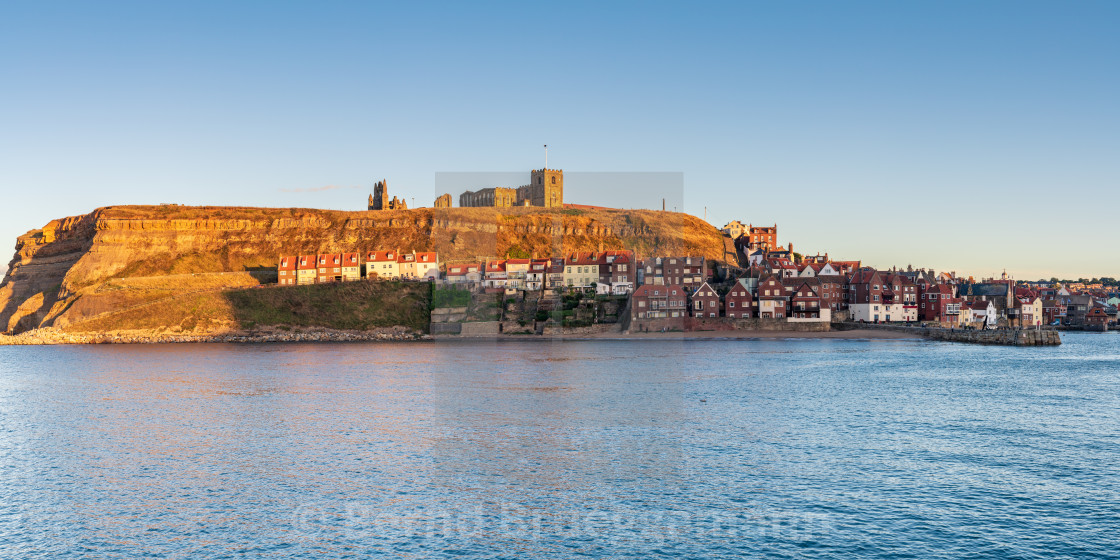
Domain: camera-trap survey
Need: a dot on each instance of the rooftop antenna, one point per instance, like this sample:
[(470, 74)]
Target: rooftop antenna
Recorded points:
[(546, 156)]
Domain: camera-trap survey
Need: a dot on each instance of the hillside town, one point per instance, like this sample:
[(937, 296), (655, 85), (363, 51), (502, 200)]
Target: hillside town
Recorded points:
[(770, 283)]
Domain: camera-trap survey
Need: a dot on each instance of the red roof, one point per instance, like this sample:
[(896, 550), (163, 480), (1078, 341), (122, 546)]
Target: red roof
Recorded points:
[(381, 256), (582, 259), (287, 263), (329, 259), (463, 269)]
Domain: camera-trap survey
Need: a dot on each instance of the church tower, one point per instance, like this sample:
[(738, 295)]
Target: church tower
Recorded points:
[(547, 188)]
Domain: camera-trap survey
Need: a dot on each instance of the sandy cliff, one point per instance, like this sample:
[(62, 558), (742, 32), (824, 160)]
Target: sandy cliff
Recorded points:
[(83, 268)]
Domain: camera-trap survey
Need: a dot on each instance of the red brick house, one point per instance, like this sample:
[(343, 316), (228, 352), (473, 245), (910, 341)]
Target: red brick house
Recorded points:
[(832, 290), (738, 302), (617, 272), (772, 298), (762, 237), (328, 267), (805, 303), (705, 302), (658, 308), (1096, 319), (286, 271), (939, 304), (1053, 310), (865, 295), (666, 271)]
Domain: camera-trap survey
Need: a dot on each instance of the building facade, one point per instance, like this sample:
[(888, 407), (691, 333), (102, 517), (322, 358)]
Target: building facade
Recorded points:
[(705, 302), (666, 271), (286, 271), (658, 308), (738, 302), (759, 237)]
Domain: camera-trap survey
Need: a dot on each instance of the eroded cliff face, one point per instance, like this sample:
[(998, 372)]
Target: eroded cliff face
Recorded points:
[(67, 260)]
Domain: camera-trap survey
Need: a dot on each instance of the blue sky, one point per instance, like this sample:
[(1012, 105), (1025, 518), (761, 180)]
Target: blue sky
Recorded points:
[(968, 136)]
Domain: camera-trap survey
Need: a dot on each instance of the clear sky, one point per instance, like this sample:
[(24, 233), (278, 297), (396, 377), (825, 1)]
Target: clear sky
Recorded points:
[(968, 136)]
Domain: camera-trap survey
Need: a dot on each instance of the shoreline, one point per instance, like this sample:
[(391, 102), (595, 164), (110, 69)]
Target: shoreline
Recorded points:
[(854, 334), (50, 337)]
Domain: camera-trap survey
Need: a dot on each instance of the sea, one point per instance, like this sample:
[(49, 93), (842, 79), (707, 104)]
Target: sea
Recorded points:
[(769, 448)]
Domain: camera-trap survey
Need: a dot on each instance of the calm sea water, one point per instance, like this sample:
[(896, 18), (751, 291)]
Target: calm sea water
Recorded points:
[(621, 449)]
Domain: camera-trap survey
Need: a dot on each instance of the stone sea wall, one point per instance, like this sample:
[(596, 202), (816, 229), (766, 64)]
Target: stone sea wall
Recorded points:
[(1002, 337)]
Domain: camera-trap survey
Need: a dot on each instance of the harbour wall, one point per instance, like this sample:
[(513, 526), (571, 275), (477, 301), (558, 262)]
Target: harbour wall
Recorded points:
[(1002, 337)]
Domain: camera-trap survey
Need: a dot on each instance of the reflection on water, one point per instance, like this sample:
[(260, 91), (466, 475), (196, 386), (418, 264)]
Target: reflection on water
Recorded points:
[(825, 448)]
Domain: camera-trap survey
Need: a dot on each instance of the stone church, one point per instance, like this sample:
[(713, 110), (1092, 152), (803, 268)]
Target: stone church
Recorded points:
[(545, 189)]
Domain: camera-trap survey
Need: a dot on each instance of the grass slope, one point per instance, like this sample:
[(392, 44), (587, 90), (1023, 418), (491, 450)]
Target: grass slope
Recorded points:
[(346, 306)]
